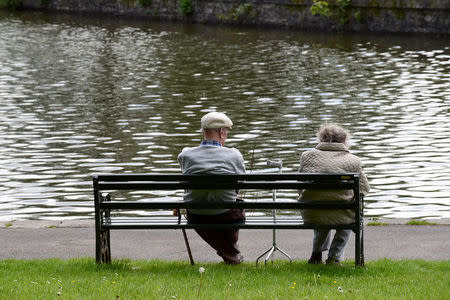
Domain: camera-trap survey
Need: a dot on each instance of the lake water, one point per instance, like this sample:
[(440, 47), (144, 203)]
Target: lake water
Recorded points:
[(83, 95)]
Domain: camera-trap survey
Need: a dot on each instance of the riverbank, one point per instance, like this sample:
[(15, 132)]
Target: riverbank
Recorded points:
[(73, 239), (358, 16), (89, 223)]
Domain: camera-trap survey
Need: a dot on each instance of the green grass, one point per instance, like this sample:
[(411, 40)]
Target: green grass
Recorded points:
[(126, 279), (420, 222)]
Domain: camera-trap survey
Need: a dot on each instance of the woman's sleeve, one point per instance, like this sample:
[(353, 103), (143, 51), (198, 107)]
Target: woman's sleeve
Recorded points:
[(300, 169), (364, 186)]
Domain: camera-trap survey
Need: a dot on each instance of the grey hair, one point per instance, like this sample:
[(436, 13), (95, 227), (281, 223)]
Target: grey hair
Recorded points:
[(206, 130), (331, 133)]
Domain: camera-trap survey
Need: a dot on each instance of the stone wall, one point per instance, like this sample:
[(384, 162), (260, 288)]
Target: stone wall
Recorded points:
[(424, 16)]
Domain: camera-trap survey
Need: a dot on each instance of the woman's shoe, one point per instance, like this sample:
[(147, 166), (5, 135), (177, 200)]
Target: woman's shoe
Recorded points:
[(333, 261)]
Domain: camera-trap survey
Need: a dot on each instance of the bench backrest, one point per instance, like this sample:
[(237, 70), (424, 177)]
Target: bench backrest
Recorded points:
[(296, 181)]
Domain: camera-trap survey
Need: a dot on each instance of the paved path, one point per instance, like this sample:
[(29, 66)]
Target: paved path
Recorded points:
[(28, 240)]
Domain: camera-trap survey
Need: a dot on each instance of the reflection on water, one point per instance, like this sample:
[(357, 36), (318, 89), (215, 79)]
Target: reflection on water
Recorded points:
[(82, 96)]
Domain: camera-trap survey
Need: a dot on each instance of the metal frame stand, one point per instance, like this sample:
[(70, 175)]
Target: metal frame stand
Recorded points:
[(271, 251)]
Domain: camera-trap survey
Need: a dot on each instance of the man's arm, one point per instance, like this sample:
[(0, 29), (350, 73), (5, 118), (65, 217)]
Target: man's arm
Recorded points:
[(239, 163)]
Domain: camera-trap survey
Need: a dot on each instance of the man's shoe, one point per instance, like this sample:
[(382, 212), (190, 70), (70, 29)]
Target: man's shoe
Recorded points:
[(315, 259), (239, 259)]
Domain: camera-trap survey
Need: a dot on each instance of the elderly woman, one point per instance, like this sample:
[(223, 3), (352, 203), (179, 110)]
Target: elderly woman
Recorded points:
[(331, 155)]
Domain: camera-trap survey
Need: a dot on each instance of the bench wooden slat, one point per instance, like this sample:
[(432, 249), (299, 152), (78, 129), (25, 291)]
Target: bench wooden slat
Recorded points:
[(126, 205), (137, 226), (174, 220), (240, 185), (247, 225), (322, 177), (251, 222)]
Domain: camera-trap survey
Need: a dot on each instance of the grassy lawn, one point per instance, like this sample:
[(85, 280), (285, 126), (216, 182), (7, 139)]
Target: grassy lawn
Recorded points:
[(127, 279)]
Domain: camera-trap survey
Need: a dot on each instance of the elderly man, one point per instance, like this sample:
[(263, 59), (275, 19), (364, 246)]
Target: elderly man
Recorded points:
[(211, 157)]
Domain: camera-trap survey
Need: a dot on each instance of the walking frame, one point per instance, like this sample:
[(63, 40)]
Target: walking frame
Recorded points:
[(271, 251)]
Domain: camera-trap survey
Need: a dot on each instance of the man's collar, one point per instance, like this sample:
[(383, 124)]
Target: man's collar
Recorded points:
[(210, 143)]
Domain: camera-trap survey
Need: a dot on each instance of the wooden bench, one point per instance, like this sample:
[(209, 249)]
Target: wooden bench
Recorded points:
[(108, 212)]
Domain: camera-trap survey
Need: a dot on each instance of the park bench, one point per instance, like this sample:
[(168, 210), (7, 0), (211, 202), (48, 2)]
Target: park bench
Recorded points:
[(108, 212)]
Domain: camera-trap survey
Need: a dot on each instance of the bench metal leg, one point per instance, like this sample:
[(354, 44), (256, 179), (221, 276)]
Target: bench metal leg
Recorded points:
[(98, 198), (360, 261), (102, 246), (98, 255), (359, 247), (105, 250), (97, 238), (102, 237), (362, 247)]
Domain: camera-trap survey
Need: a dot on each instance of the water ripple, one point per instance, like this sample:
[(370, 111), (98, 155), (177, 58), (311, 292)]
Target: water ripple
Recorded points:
[(81, 96)]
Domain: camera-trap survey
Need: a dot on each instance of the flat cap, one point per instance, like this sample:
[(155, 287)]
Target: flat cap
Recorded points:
[(214, 120)]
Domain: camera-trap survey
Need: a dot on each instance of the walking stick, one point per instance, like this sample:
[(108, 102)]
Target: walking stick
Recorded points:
[(191, 259)]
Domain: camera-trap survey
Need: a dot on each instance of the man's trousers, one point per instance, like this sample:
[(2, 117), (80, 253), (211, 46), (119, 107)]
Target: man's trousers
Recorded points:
[(223, 241)]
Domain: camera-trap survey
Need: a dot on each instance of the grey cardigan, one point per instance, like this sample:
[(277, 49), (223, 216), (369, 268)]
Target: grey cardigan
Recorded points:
[(206, 159)]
